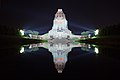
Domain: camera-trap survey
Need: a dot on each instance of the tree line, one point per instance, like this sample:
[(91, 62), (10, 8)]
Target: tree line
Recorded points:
[(113, 30), (9, 30)]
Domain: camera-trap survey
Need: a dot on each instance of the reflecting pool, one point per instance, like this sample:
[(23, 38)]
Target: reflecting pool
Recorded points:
[(59, 61)]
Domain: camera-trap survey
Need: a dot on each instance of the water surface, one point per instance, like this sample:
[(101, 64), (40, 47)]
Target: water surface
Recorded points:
[(59, 61)]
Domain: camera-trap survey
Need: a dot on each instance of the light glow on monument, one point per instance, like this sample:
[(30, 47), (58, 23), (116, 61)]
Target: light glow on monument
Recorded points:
[(60, 26)]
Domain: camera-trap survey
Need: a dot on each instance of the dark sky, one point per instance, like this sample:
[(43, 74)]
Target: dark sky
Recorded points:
[(39, 14)]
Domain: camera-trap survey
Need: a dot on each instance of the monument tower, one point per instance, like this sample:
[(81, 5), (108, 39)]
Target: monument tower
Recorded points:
[(60, 26)]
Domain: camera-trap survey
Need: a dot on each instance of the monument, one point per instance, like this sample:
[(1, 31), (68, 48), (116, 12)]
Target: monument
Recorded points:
[(60, 26)]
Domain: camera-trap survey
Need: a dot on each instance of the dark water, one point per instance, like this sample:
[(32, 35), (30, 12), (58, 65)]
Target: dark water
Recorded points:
[(36, 62)]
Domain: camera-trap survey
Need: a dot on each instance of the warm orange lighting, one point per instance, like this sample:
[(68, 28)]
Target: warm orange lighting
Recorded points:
[(60, 59)]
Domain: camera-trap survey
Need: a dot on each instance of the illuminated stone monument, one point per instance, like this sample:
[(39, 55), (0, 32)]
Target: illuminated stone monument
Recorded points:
[(60, 26)]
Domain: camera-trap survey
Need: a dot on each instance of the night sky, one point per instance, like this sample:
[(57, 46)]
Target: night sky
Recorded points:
[(38, 14)]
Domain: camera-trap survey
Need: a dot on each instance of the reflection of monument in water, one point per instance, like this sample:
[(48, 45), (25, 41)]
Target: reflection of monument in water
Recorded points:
[(59, 52)]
